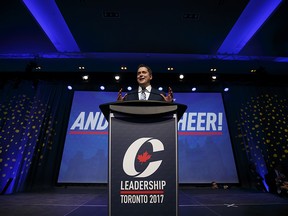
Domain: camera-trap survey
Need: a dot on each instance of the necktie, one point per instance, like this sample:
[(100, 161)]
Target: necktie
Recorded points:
[(143, 95)]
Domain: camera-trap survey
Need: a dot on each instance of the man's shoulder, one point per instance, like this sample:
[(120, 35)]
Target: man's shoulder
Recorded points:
[(134, 91), (132, 95), (157, 91)]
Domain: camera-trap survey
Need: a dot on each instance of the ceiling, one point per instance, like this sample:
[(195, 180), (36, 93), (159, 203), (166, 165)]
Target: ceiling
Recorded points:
[(103, 35)]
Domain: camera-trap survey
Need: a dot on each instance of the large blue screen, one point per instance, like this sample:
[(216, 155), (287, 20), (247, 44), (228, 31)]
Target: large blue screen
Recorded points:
[(204, 146)]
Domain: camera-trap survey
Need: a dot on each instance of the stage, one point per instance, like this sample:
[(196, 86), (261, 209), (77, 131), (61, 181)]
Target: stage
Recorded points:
[(93, 200)]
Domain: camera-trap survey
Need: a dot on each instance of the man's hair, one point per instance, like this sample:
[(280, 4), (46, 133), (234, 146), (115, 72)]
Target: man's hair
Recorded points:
[(148, 68)]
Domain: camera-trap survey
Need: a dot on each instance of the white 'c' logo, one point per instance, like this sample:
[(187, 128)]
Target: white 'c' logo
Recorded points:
[(131, 153)]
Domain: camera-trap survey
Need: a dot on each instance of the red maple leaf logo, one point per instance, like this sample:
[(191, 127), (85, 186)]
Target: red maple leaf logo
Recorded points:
[(142, 158)]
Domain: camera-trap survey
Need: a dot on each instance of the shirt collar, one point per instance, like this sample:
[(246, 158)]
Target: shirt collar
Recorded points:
[(148, 88)]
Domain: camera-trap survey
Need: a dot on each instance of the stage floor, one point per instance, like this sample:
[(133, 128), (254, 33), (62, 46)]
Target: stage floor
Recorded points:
[(193, 201)]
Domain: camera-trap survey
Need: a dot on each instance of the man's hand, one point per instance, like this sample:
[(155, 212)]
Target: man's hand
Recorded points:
[(119, 97), (169, 97)]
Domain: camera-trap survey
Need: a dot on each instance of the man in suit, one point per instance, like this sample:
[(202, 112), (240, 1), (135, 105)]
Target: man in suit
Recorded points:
[(145, 91)]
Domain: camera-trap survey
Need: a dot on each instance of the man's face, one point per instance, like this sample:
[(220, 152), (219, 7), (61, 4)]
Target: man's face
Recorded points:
[(143, 77)]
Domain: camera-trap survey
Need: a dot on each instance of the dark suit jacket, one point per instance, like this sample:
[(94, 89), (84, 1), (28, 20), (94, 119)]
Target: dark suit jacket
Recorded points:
[(154, 95)]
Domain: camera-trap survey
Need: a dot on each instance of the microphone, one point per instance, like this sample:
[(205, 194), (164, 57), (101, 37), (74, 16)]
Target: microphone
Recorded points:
[(134, 94), (154, 94)]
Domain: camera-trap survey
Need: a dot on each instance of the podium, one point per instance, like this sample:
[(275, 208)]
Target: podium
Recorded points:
[(143, 157)]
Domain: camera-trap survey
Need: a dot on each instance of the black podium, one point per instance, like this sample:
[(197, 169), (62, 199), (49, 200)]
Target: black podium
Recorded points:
[(143, 163)]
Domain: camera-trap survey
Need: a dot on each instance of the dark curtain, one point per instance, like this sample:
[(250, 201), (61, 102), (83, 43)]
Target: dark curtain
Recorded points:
[(258, 125), (32, 123)]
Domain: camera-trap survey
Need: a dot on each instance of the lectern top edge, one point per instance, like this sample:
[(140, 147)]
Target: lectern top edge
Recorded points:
[(143, 107)]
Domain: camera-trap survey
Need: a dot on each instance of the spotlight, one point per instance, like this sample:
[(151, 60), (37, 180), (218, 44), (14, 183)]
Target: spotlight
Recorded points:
[(181, 76), (194, 89), (102, 88), (85, 77), (69, 87), (117, 77)]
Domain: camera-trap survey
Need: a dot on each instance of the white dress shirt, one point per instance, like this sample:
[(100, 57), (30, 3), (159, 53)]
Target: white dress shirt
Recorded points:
[(147, 91)]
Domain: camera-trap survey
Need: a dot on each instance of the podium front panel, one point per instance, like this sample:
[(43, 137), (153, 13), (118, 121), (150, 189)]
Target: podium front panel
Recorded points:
[(143, 176)]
